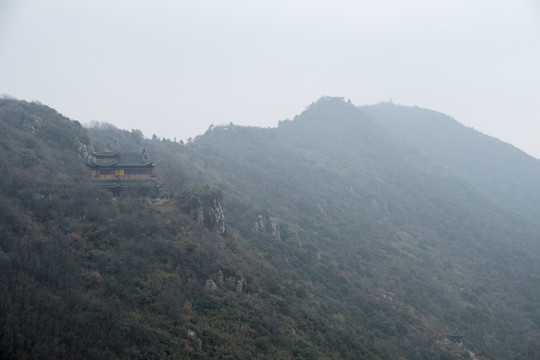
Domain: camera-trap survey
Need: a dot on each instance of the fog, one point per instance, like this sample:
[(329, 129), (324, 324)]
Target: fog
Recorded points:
[(173, 68)]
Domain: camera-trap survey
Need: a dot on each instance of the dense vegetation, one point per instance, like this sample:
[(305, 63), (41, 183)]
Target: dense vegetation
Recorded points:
[(387, 241)]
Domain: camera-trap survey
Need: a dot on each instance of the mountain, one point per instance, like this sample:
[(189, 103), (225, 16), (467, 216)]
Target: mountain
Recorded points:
[(498, 170), (391, 213), (351, 232)]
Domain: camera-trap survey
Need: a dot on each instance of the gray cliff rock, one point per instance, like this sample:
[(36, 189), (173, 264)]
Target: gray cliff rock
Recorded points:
[(235, 283), (274, 224), (218, 277), (216, 213), (210, 285), (269, 226), (259, 224), (194, 339), (204, 207), (85, 151)]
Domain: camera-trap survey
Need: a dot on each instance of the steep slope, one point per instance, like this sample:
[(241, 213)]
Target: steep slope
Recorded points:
[(346, 238), (372, 213), (500, 171), (86, 275)]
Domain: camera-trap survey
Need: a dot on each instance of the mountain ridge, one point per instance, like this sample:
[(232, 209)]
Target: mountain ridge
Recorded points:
[(383, 248), (400, 186), (478, 158)]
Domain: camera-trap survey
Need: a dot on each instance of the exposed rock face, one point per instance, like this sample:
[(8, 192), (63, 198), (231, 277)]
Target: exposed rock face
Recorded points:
[(268, 225), (210, 285), (195, 341), (211, 216), (274, 223), (235, 283), (85, 151), (198, 215), (259, 224), (218, 277), (204, 206), (218, 217), (239, 286)]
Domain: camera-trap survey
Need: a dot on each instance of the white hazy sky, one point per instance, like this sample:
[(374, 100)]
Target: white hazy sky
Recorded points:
[(173, 67)]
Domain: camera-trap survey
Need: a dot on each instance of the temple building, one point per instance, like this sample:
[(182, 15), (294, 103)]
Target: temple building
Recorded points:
[(115, 170), (456, 336)]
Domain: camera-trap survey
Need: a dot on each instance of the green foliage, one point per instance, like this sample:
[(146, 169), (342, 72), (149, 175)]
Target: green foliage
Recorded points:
[(28, 158), (137, 136), (383, 250), (370, 211)]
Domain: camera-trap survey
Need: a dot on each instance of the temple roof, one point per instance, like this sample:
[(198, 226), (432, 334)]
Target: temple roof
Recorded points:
[(133, 159), (123, 160), (106, 154)]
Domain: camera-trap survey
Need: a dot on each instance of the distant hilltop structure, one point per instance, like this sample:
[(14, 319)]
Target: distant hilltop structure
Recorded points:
[(119, 171), (456, 336)]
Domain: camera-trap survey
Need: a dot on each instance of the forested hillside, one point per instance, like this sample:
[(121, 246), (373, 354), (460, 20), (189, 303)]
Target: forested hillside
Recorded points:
[(498, 170), (351, 233), (373, 207)]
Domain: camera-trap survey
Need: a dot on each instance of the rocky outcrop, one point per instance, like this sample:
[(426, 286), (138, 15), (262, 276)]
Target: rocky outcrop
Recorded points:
[(215, 212), (198, 214), (204, 207), (235, 283), (210, 285), (194, 339), (218, 277), (85, 151), (260, 225), (210, 215), (269, 225)]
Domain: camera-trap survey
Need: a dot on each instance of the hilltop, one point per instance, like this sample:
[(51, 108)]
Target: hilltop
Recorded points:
[(389, 210)]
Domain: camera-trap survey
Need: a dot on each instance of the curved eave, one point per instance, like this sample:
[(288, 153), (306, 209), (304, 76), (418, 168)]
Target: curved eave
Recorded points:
[(150, 165), (105, 154), (119, 166), (102, 165)]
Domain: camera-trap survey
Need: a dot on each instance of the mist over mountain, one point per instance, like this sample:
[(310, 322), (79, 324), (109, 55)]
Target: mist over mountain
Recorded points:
[(349, 232), (499, 170)]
